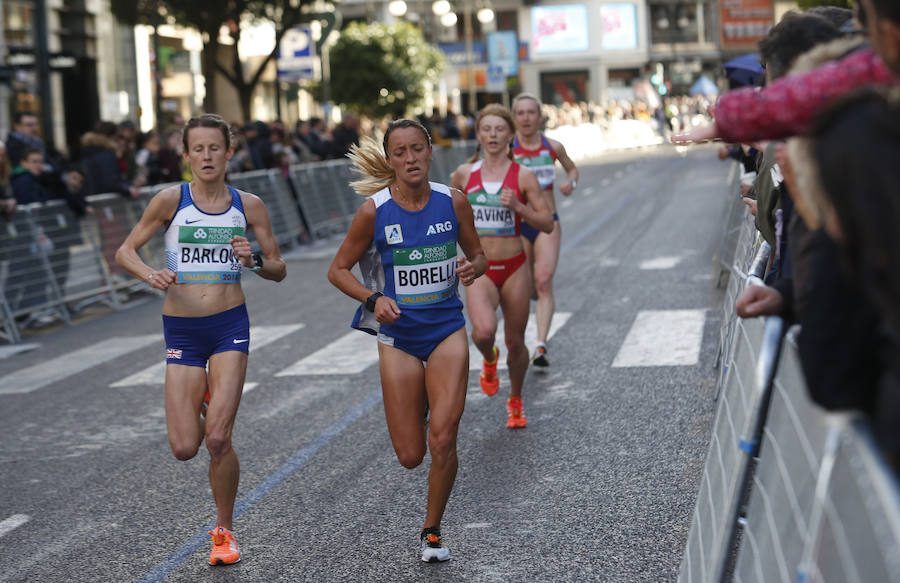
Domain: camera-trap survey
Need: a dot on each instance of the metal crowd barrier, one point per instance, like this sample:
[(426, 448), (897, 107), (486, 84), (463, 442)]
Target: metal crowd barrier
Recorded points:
[(53, 264), (789, 492)]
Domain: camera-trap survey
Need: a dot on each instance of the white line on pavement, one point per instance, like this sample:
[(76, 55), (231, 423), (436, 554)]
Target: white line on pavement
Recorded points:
[(660, 263), (352, 353), (12, 523), (13, 349), (155, 374), (40, 375), (663, 338)]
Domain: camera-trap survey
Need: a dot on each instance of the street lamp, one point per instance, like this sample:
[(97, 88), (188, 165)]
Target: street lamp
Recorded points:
[(449, 19), (397, 8), (441, 7)]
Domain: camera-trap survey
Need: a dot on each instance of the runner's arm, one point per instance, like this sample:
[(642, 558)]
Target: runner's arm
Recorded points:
[(460, 176), (474, 264), (273, 267), (536, 213), (359, 237), (568, 165), (159, 211)]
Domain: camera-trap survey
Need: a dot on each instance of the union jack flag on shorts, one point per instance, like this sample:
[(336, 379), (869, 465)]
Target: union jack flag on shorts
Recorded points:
[(173, 353)]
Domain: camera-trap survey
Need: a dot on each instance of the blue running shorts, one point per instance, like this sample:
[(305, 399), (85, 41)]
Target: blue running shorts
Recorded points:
[(191, 341), (420, 348), (530, 232)]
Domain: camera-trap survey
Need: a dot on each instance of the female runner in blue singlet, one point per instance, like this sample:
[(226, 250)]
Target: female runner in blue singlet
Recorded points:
[(204, 314), (404, 237)]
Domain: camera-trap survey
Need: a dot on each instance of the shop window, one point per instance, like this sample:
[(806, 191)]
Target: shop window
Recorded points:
[(18, 23), (677, 22), (562, 87)]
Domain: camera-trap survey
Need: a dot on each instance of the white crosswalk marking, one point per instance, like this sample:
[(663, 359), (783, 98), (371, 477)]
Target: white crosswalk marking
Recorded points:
[(14, 349), (12, 523), (663, 338), (355, 352), (352, 353), (48, 372), (475, 357), (667, 262), (259, 335)]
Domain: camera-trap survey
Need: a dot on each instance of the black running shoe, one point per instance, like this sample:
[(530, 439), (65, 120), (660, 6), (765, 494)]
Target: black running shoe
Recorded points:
[(541, 359)]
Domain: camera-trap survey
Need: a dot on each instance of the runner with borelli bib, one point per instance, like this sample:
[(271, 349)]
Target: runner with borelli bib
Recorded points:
[(205, 319), (501, 193), (531, 148), (404, 238)]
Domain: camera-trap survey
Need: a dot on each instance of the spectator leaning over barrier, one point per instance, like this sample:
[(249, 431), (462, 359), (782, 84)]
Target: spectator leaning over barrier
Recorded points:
[(794, 35), (856, 146), (787, 107)]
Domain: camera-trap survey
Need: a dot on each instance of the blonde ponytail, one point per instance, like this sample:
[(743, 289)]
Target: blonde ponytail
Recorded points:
[(372, 166)]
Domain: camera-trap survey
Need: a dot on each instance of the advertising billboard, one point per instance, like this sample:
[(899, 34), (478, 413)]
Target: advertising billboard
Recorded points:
[(619, 26), (559, 29)]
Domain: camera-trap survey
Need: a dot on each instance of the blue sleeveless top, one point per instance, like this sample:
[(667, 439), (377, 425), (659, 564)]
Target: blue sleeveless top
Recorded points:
[(412, 259)]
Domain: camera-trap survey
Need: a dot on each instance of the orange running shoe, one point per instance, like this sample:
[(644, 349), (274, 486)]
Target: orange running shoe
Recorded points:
[(516, 416), (488, 379), (225, 548)]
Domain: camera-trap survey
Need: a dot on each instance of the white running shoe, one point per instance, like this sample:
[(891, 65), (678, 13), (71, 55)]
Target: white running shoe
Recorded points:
[(433, 549)]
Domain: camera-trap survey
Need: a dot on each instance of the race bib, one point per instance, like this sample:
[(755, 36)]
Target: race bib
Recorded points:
[(492, 219), (205, 255), (424, 275), (542, 166)]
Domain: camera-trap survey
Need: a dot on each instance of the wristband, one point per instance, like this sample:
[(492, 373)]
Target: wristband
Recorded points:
[(370, 301), (257, 262), (574, 183)]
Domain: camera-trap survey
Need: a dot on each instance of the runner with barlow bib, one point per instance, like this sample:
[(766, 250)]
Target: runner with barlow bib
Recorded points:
[(205, 320)]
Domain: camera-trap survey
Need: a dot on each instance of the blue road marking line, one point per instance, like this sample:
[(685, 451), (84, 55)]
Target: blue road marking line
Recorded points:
[(296, 461)]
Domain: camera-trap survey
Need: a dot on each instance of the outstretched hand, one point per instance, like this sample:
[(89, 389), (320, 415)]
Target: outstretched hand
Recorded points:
[(697, 135), (759, 300)]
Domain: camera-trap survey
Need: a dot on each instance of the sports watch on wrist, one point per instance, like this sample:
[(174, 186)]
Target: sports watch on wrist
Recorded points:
[(257, 262), (370, 301)]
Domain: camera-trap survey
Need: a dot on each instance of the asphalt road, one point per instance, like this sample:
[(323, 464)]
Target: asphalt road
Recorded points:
[(599, 487)]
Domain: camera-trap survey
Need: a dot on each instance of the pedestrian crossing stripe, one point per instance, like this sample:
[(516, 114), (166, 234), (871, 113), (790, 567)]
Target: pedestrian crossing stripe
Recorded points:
[(354, 352), (48, 372), (156, 373), (663, 338), (351, 354)]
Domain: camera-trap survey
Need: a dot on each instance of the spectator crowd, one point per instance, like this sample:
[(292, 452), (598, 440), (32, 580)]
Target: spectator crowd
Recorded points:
[(820, 144)]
